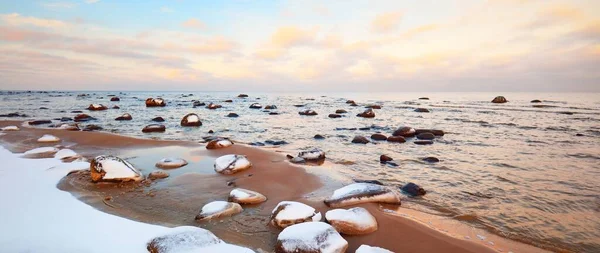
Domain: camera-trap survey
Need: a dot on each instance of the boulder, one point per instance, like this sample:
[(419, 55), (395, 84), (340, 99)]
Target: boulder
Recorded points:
[(334, 116), (424, 142), (218, 209), (276, 143), (91, 127), (396, 139), (66, 154), (154, 128), (112, 168), (299, 105), (246, 197), (340, 111), (369, 249), (155, 102), (310, 237), (536, 101), (273, 113), (198, 103), (228, 101), (353, 221), (433, 131), (48, 138), (115, 99), (353, 104), (319, 137), (413, 189), (423, 98), (191, 120), (232, 115), (499, 100), (158, 119), (10, 128), (312, 155), (270, 107), (211, 131), (369, 113), (38, 122), (308, 113), (425, 136), (43, 152), (191, 239), (212, 106), (157, 174), (357, 193), (13, 115), (421, 110), (97, 107), (360, 139), (242, 96), (229, 164), (219, 143), (350, 102), (373, 106), (385, 158), (288, 213), (298, 160), (125, 116), (379, 137), (405, 132), (431, 159), (82, 118), (171, 163), (255, 106)]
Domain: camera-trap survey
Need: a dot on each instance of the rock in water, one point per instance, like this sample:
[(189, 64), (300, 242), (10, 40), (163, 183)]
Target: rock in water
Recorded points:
[(191, 120), (38, 122), (246, 197), (125, 116), (155, 102), (425, 136), (369, 249), (66, 154), (373, 106), (288, 213), (97, 107), (405, 132), (42, 152), (115, 99), (48, 138), (353, 221), (298, 160), (219, 143), (191, 239), (424, 142), (379, 137), (310, 237), (433, 131), (334, 116), (91, 128), (312, 155), (536, 101), (68, 127), (499, 100), (360, 139), (369, 113), (270, 107), (242, 96), (158, 174), (171, 163), (397, 139), (421, 110), (154, 128), (82, 117), (385, 159), (340, 111), (158, 119), (217, 209), (319, 137), (212, 106), (112, 168), (431, 159), (232, 115), (413, 189), (255, 106), (308, 113), (350, 102), (362, 193), (423, 98), (229, 164), (10, 128)]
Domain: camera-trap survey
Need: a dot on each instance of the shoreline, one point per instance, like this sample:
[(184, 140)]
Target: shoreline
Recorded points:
[(271, 175)]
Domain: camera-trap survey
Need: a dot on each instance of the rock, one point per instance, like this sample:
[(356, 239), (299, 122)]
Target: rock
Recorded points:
[(171, 163), (43, 152), (312, 155), (369, 249), (116, 107), (112, 168), (433, 131), (431, 159), (379, 137), (155, 102), (255, 106), (404, 132), (310, 237), (298, 160), (66, 154), (308, 113), (273, 113), (536, 101), (191, 120), (353, 221), (158, 119), (246, 197), (228, 101), (423, 98), (319, 137), (97, 107), (211, 131), (68, 127), (38, 122), (350, 102), (10, 128), (334, 116), (229, 164), (357, 193), (369, 181), (353, 104), (360, 139), (385, 158), (43, 108), (198, 104), (154, 128), (288, 213), (421, 110), (212, 106), (218, 209), (63, 119), (424, 142), (219, 143), (92, 127), (13, 115), (499, 100), (396, 139), (48, 138), (288, 156), (82, 118), (579, 134), (232, 115), (115, 99), (258, 143), (242, 96), (413, 189), (191, 239), (125, 116), (425, 136), (373, 106), (157, 174), (276, 143), (299, 105), (77, 111), (369, 113), (340, 111), (270, 107)]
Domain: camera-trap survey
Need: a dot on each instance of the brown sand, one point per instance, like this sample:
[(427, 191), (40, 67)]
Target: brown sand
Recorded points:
[(175, 201)]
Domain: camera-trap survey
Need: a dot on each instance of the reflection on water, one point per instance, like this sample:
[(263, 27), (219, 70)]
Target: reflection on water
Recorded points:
[(524, 172)]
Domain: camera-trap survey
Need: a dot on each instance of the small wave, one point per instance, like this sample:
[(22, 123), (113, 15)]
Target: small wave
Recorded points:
[(506, 165), (560, 128), (479, 194), (584, 156), (506, 124), (503, 179), (527, 127)]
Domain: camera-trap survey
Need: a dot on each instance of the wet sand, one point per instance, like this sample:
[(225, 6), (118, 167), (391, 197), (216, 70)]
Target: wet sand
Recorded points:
[(175, 201)]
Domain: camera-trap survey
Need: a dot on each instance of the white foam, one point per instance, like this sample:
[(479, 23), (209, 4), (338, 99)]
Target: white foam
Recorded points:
[(10, 128), (303, 237), (370, 249), (48, 138)]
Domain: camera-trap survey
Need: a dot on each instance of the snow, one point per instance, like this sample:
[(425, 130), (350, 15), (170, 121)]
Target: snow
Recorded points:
[(370, 249), (38, 217), (295, 210), (193, 118), (355, 189), (187, 239), (10, 128), (229, 164), (239, 193), (312, 154), (362, 192), (65, 153), (41, 150), (48, 138), (357, 216), (116, 168), (303, 237), (224, 143), (214, 207)]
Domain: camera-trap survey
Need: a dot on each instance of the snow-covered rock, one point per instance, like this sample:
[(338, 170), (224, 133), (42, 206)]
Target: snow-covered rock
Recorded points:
[(40, 152), (97, 107), (219, 143), (112, 168), (191, 239), (171, 163), (317, 237), (288, 213), (370, 249), (246, 197), (158, 174), (191, 119), (362, 193), (48, 138), (313, 154), (229, 164), (66, 154), (10, 128), (69, 127), (353, 221), (155, 102), (217, 209)]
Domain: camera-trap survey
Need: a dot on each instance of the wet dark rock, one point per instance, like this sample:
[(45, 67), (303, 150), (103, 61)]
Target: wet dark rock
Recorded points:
[(567, 113), (13, 115), (115, 99), (63, 119), (425, 136), (385, 159), (125, 116), (191, 120), (379, 137), (319, 137), (43, 108), (39, 122), (579, 135), (421, 110), (77, 111), (405, 132), (368, 181), (413, 190), (89, 128), (339, 111), (198, 103), (257, 143), (270, 107), (373, 106), (212, 106), (431, 159), (308, 113), (289, 156), (369, 113), (155, 102), (228, 101), (423, 98), (242, 96), (350, 102), (276, 143), (158, 119), (433, 131), (424, 142), (232, 115), (396, 139), (499, 100), (536, 101), (211, 131), (154, 128), (353, 104), (83, 118), (334, 116), (360, 139), (299, 105), (273, 113), (97, 107), (116, 107), (255, 106)]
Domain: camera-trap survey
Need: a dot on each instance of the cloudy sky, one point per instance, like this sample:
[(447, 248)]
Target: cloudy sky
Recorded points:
[(396, 45)]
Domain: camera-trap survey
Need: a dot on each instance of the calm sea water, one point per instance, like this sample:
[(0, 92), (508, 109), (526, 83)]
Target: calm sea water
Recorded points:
[(514, 169)]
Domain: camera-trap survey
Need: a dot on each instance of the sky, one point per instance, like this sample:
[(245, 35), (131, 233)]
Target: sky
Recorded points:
[(242, 45)]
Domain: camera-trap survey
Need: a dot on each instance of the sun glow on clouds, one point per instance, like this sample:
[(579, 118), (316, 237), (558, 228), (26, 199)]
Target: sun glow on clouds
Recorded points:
[(324, 44)]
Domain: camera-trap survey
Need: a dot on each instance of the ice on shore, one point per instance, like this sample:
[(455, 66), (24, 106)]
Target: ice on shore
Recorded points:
[(310, 237), (288, 213), (48, 138)]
